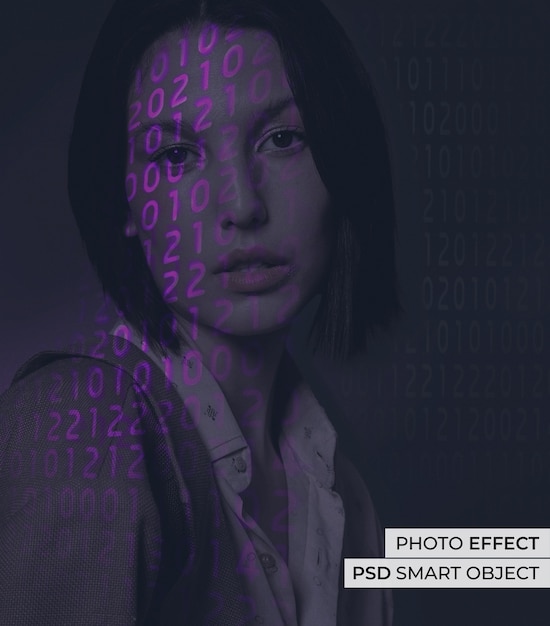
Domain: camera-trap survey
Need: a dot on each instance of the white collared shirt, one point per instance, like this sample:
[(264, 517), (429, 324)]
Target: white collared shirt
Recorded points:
[(303, 592)]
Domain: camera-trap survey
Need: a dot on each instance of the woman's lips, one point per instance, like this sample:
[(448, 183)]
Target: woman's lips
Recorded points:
[(256, 277), (250, 258)]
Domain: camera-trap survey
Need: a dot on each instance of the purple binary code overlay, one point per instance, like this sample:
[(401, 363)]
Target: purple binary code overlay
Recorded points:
[(215, 172), (232, 218), (453, 422)]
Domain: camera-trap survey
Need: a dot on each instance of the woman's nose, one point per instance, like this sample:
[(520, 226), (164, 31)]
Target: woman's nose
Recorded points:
[(240, 193)]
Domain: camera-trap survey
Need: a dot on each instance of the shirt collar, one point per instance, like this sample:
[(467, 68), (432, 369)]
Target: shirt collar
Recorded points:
[(305, 427)]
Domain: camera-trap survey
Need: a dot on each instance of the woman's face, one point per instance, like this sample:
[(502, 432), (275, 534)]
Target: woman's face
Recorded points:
[(224, 194)]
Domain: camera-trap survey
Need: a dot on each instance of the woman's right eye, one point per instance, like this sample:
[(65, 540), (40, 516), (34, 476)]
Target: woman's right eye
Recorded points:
[(175, 155)]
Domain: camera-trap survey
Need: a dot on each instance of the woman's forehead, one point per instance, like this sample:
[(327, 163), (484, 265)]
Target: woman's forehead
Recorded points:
[(211, 54), (209, 76)]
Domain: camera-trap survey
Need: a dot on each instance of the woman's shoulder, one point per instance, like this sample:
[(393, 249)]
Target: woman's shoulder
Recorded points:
[(78, 395)]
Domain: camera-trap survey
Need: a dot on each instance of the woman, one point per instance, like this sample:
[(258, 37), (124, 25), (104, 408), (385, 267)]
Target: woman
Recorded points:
[(227, 163)]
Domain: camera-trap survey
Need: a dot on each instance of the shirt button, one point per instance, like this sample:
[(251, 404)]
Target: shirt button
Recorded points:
[(268, 562), (317, 580), (240, 464)]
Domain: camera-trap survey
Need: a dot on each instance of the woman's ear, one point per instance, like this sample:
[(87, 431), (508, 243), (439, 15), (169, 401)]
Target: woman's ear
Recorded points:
[(130, 229)]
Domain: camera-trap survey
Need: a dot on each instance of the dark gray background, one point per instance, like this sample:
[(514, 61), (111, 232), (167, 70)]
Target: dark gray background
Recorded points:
[(451, 434)]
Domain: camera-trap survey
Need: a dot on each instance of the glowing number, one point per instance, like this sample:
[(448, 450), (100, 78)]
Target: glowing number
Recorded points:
[(158, 94), (131, 187), (135, 110), (205, 67), (113, 508), (148, 250), (111, 432), (169, 257), (178, 97), (200, 123), (131, 150), (87, 473), (50, 470), (230, 91), (237, 52), (174, 278), (97, 374), (102, 340), (192, 363), (155, 134), (201, 186), (200, 270), (170, 169), (183, 52), (227, 307), (261, 79), (157, 76), (229, 134), (124, 332), (223, 372), (148, 185), (197, 227), (212, 30), (145, 367), (148, 222), (51, 435), (194, 311), (228, 192), (70, 435), (175, 203), (132, 471)]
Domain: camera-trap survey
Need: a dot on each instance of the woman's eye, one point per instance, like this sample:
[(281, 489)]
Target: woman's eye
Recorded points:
[(176, 155), (282, 140)]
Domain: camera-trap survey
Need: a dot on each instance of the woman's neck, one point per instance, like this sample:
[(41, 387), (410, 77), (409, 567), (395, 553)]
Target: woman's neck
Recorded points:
[(245, 369)]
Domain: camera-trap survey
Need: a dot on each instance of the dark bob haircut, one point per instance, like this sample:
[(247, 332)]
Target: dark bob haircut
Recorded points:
[(344, 130)]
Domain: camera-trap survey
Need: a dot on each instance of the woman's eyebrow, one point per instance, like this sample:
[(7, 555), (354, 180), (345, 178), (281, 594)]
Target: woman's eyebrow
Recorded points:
[(272, 110), (177, 128)]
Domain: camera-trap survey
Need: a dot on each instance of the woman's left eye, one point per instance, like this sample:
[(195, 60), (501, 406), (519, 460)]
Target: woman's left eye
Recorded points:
[(285, 139)]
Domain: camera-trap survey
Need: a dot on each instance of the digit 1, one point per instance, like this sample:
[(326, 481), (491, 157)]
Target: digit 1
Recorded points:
[(183, 51), (147, 249), (205, 67), (70, 454), (197, 227), (112, 450), (230, 91), (131, 150), (177, 118), (168, 369), (175, 204), (93, 411), (118, 381), (194, 310)]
